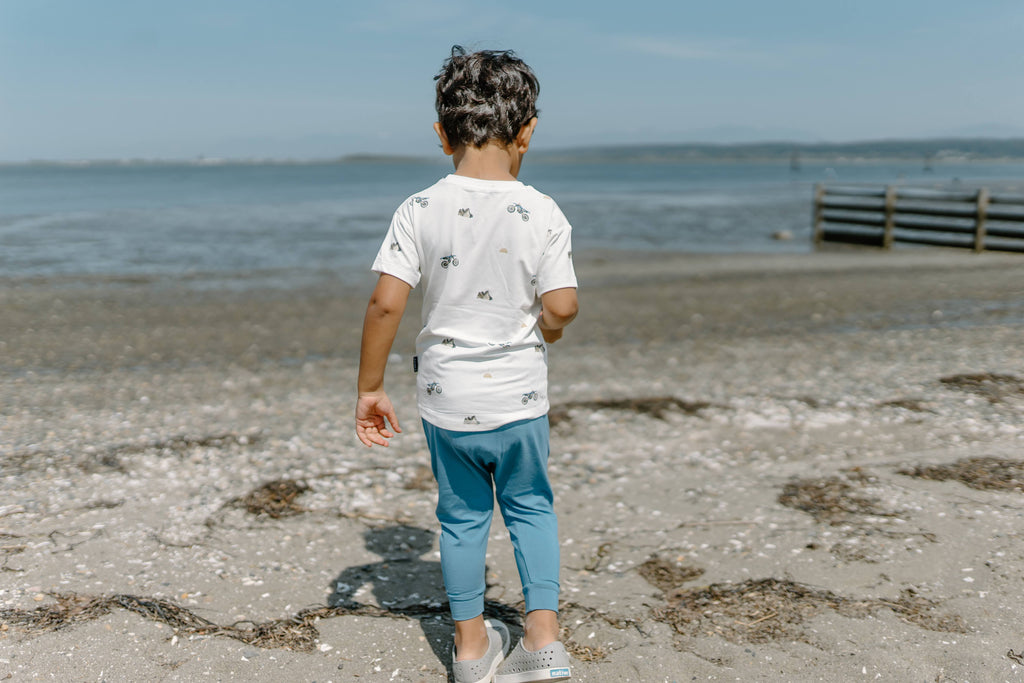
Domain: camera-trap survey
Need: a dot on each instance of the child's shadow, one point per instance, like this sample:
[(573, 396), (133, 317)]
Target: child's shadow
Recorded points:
[(402, 582)]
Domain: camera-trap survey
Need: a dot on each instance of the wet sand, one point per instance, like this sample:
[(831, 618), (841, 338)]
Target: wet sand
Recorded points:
[(767, 468)]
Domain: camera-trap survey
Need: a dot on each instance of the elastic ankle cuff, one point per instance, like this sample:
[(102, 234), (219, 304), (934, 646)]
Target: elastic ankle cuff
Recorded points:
[(466, 609), (540, 596)]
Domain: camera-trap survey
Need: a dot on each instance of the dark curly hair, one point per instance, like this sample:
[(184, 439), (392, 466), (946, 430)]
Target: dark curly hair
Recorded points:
[(485, 95)]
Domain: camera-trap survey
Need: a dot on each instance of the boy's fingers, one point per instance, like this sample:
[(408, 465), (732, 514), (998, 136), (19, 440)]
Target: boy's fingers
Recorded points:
[(364, 438), (373, 415), (369, 438), (373, 432)]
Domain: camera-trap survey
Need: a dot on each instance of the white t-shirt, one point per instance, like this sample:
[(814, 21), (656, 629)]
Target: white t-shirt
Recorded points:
[(486, 251)]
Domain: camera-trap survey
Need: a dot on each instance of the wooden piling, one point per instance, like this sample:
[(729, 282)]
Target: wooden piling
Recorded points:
[(981, 212), (890, 216), (818, 222)]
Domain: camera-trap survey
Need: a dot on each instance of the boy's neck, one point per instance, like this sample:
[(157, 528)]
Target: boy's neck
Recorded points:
[(493, 161)]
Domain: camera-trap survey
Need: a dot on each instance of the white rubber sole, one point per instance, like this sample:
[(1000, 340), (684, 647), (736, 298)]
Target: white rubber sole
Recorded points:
[(548, 664), (561, 673)]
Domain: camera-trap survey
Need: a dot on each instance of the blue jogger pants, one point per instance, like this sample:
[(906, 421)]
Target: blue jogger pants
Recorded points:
[(470, 468)]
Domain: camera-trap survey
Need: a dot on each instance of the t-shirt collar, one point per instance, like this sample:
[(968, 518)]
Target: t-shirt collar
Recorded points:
[(481, 184)]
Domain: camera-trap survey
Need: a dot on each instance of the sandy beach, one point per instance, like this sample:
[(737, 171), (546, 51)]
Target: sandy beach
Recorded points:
[(767, 468)]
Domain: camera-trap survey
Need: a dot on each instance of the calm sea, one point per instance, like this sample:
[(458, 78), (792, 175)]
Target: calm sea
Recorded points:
[(239, 225)]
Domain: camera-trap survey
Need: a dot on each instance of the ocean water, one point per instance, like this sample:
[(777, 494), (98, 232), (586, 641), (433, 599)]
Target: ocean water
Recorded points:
[(240, 225)]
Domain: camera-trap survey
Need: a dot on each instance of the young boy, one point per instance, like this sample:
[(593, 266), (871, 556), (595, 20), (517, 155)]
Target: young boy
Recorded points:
[(495, 259)]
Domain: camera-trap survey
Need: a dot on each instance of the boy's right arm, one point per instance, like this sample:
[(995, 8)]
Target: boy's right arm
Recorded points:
[(558, 308), (383, 315)]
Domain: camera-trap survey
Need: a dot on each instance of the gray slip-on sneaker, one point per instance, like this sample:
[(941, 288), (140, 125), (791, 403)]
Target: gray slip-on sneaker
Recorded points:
[(482, 670), (550, 663)]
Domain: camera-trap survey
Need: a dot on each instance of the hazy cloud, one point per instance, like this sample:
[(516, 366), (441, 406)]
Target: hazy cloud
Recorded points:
[(688, 50)]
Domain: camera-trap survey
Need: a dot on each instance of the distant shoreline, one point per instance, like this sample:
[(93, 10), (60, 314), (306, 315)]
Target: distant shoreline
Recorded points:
[(929, 151)]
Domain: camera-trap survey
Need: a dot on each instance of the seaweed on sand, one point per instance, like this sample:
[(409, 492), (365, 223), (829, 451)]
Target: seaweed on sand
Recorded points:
[(993, 386), (834, 500), (298, 632), (914, 405), (985, 473), (583, 616), (72, 608), (665, 575), (657, 407), (275, 499), (762, 610)]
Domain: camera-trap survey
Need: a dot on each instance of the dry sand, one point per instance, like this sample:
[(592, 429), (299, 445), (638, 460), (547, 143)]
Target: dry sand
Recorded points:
[(773, 468)]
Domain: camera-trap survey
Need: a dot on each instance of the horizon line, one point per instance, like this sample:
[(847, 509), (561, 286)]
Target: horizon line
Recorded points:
[(787, 146)]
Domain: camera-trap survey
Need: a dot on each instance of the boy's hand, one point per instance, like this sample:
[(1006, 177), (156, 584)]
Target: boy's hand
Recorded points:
[(371, 411)]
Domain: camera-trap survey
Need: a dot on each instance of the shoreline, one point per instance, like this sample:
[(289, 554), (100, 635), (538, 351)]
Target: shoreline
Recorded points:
[(103, 324)]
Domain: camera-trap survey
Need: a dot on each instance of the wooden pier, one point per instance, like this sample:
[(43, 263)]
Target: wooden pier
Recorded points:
[(977, 219)]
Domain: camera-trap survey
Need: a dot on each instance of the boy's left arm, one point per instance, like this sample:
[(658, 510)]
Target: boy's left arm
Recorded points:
[(383, 315), (558, 308)]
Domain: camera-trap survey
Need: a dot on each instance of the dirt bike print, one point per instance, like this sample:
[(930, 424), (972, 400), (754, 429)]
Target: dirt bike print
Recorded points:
[(450, 260), (518, 208)]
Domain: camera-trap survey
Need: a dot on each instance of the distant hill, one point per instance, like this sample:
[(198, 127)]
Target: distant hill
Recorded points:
[(925, 151), (216, 161), (939, 149)]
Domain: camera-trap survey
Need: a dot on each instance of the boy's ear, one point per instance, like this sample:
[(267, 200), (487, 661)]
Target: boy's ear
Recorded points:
[(445, 146), (525, 134)]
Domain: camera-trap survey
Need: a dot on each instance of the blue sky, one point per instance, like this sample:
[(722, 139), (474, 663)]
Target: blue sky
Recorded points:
[(313, 78)]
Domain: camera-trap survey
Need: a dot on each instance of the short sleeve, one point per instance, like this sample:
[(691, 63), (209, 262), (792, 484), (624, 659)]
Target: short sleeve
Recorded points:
[(556, 270), (398, 255)]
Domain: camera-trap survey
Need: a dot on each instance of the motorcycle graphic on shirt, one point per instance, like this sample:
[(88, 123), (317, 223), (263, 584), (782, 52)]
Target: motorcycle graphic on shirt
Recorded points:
[(433, 388), (530, 396), (518, 208), (450, 260), (422, 201)]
